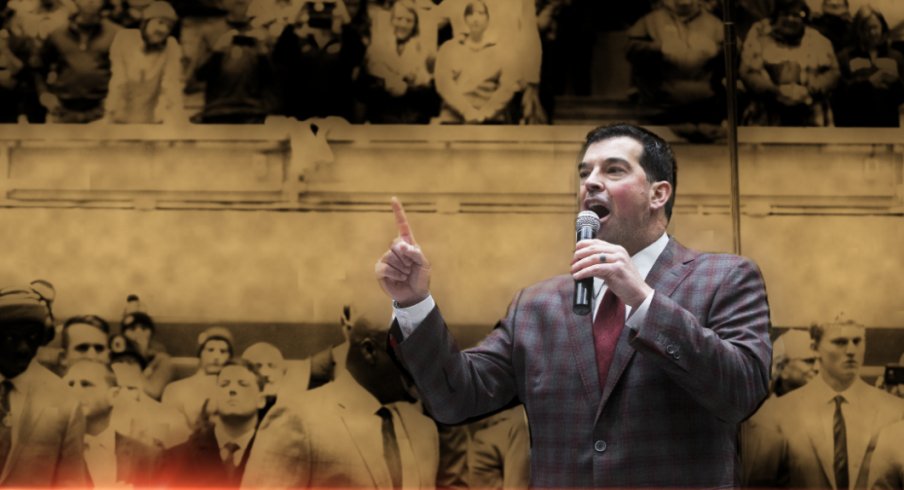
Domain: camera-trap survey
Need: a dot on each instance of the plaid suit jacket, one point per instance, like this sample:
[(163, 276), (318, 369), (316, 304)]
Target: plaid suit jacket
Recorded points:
[(680, 382)]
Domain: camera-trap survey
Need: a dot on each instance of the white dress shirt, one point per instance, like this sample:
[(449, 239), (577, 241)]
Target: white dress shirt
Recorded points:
[(100, 457)]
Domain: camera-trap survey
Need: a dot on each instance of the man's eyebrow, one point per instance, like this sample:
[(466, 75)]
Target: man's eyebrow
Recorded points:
[(608, 160)]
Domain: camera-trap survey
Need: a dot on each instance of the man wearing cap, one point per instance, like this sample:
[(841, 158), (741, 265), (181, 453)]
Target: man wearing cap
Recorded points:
[(157, 366), (113, 458), (357, 431), (217, 452), (146, 66), (41, 427), (827, 429), (190, 395)]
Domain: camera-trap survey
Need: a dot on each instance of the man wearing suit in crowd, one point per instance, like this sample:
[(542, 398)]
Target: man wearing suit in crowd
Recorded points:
[(357, 431), (794, 364), (41, 427), (217, 452), (84, 337), (827, 429), (651, 396), (113, 458), (499, 453), (887, 466)]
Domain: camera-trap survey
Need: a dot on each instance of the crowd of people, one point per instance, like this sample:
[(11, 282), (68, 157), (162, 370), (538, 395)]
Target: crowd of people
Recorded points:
[(112, 410), (802, 63), (378, 61)]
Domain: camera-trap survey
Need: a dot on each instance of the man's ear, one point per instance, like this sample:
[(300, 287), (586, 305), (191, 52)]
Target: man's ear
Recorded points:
[(368, 351), (660, 192)]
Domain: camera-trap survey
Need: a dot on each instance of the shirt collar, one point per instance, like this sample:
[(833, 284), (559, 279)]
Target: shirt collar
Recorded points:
[(106, 439), (644, 259), (223, 438), (826, 394)]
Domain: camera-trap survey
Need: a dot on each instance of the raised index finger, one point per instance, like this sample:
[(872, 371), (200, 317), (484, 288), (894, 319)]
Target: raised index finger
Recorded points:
[(402, 221)]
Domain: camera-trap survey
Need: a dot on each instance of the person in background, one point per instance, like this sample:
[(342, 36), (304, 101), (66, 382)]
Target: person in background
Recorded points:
[(146, 67), (499, 452), (138, 326), (73, 66), (190, 395), (42, 430), (84, 337), (834, 22), (789, 69), (871, 89), (112, 457), (473, 76), (399, 66), (217, 452), (269, 362)]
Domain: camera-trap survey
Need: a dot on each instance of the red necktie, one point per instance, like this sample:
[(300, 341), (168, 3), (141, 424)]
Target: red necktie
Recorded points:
[(607, 327)]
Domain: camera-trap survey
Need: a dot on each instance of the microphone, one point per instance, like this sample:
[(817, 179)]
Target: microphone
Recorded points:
[(586, 226)]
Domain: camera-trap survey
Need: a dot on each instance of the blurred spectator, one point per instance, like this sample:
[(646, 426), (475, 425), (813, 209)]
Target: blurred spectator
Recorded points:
[(269, 362), (318, 43), (794, 362), (197, 17), (38, 19), (74, 66), (84, 337), (399, 67), (835, 23), (190, 395), (112, 458), (512, 26), (789, 69), (472, 74), (887, 471), (145, 86), (235, 69), (138, 415), (10, 67), (157, 366), (749, 12), (675, 53), (216, 453), (871, 89), (129, 13)]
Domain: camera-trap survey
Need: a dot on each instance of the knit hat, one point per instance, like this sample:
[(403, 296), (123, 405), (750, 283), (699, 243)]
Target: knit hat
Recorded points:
[(159, 10), (216, 333)]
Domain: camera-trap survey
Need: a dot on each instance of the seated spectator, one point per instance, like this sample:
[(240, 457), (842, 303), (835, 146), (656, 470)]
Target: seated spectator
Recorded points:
[(789, 69), (318, 42), (399, 71), (216, 453), (138, 327), (235, 68), (472, 75), (835, 24), (190, 395), (871, 88), (675, 54), (145, 86), (74, 66), (112, 457)]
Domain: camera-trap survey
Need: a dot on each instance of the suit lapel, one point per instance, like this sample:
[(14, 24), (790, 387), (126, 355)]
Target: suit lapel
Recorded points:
[(22, 430), (360, 431), (667, 273), (859, 425), (814, 427), (124, 455), (580, 333)]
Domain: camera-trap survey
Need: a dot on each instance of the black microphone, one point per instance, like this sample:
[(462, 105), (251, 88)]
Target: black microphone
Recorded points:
[(586, 226)]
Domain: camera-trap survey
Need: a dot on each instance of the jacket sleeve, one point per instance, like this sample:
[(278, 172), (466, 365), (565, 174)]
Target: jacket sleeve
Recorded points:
[(723, 364), (456, 384), (71, 470)]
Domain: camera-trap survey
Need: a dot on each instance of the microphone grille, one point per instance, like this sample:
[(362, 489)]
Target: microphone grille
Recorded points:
[(587, 218)]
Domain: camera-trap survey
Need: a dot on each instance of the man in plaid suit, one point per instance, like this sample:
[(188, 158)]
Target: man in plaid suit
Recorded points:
[(688, 353)]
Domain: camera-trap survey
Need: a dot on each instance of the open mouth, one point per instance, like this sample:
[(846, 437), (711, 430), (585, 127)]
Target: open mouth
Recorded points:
[(599, 208)]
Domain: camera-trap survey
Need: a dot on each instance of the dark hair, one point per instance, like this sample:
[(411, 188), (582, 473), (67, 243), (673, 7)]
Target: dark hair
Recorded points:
[(817, 331), (136, 318), (469, 8), (93, 320), (657, 159), (785, 6), (245, 363), (862, 16)]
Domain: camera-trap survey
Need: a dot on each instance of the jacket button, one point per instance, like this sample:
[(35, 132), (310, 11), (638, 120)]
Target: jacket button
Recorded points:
[(599, 446), (671, 349)]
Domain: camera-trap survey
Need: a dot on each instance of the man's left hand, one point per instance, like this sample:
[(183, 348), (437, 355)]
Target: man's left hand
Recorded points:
[(611, 263)]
